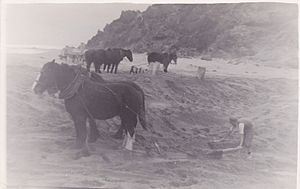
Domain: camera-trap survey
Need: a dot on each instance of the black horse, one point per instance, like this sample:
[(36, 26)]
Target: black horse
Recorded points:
[(109, 57), (114, 57), (97, 78), (163, 58), (96, 56), (88, 100)]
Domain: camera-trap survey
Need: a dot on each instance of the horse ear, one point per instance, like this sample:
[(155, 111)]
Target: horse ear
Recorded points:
[(53, 60)]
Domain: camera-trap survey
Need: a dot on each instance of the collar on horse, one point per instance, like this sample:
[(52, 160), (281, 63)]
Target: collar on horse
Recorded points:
[(73, 86)]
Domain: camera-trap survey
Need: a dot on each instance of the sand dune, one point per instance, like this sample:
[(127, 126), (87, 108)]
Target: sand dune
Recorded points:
[(181, 109)]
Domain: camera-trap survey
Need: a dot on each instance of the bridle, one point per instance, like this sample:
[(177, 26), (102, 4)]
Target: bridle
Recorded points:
[(65, 93), (38, 82)]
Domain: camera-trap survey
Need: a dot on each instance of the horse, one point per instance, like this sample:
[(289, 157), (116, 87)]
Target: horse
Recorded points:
[(97, 78), (163, 58), (114, 56), (96, 56), (85, 100)]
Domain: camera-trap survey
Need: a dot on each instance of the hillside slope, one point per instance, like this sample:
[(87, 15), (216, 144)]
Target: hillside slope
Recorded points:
[(262, 32)]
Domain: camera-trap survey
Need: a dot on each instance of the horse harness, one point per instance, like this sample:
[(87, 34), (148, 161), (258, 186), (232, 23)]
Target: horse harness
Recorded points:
[(77, 83)]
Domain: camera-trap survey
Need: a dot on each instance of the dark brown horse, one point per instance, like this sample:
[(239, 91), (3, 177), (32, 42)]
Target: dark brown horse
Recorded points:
[(163, 58), (96, 56), (85, 99), (97, 78), (109, 57), (114, 57)]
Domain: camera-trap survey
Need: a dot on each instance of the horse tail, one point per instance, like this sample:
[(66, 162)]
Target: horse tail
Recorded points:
[(142, 112)]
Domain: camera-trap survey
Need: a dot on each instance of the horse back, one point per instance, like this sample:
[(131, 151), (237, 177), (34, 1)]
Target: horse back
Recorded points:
[(113, 56), (99, 55), (154, 57)]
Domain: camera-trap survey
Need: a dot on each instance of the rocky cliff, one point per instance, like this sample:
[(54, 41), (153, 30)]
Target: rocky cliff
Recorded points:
[(255, 31)]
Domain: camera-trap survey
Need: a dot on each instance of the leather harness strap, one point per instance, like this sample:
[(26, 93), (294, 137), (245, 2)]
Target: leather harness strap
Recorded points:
[(73, 87)]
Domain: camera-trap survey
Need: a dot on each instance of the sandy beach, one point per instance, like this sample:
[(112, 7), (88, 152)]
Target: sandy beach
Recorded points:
[(182, 110)]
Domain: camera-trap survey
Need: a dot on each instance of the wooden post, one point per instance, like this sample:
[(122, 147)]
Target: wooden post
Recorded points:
[(154, 66), (201, 72)]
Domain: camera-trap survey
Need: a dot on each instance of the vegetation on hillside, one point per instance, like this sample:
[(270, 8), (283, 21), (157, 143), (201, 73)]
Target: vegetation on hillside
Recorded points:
[(264, 32)]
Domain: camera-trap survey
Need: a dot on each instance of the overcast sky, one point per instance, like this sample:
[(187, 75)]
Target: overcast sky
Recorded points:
[(59, 24)]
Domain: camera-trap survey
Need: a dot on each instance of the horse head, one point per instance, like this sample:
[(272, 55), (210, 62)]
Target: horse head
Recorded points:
[(46, 79), (128, 54), (53, 77)]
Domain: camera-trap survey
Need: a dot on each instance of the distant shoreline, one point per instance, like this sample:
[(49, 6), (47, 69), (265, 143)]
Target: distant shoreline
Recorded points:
[(35, 47), (30, 49)]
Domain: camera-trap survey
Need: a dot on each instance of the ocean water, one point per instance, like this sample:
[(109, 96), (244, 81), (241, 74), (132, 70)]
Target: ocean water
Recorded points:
[(30, 49)]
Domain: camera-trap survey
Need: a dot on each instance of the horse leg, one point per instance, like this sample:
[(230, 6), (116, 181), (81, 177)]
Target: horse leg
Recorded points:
[(100, 68), (81, 129), (104, 67), (129, 123), (166, 67), (112, 68), (108, 67), (116, 68), (94, 133), (97, 67), (88, 65)]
